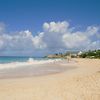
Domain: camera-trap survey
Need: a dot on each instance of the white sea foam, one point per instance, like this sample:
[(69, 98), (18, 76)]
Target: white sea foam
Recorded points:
[(30, 61)]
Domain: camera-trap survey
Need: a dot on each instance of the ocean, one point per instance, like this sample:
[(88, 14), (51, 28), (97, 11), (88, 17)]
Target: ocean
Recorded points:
[(10, 59)]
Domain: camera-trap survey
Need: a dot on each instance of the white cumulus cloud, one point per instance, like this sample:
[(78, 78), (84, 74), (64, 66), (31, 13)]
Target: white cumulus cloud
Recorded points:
[(56, 36)]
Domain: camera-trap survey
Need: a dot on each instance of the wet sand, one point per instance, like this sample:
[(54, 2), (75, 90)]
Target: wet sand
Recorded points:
[(35, 70)]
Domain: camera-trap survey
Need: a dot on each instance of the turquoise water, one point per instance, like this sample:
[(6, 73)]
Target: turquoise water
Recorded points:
[(7, 59), (18, 59)]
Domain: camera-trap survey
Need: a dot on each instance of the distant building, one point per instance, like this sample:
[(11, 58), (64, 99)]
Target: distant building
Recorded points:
[(79, 53)]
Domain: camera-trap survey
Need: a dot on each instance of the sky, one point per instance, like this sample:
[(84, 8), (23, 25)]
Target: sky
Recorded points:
[(41, 27)]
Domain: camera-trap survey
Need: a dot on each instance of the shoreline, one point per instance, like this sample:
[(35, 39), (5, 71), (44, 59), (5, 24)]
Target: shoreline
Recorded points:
[(81, 83), (33, 70)]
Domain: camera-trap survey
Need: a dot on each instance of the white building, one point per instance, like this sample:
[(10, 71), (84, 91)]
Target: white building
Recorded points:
[(79, 53)]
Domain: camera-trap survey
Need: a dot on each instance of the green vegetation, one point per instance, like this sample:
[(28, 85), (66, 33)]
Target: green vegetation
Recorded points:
[(91, 54), (87, 54)]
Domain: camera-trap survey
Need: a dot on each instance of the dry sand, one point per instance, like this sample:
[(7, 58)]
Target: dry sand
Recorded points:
[(81, 83)]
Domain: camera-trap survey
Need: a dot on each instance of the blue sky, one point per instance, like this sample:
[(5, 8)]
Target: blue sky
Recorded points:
[(31, 15)]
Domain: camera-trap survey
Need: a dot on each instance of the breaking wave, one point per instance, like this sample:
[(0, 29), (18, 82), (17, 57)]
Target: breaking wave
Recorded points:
[(29, 62)]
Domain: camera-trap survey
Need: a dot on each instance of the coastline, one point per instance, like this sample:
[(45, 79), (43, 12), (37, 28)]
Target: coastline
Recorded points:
[(81, 83), (33, 69)]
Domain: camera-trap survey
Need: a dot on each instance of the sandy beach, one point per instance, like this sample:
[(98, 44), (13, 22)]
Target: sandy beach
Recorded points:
[(80, 83)]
